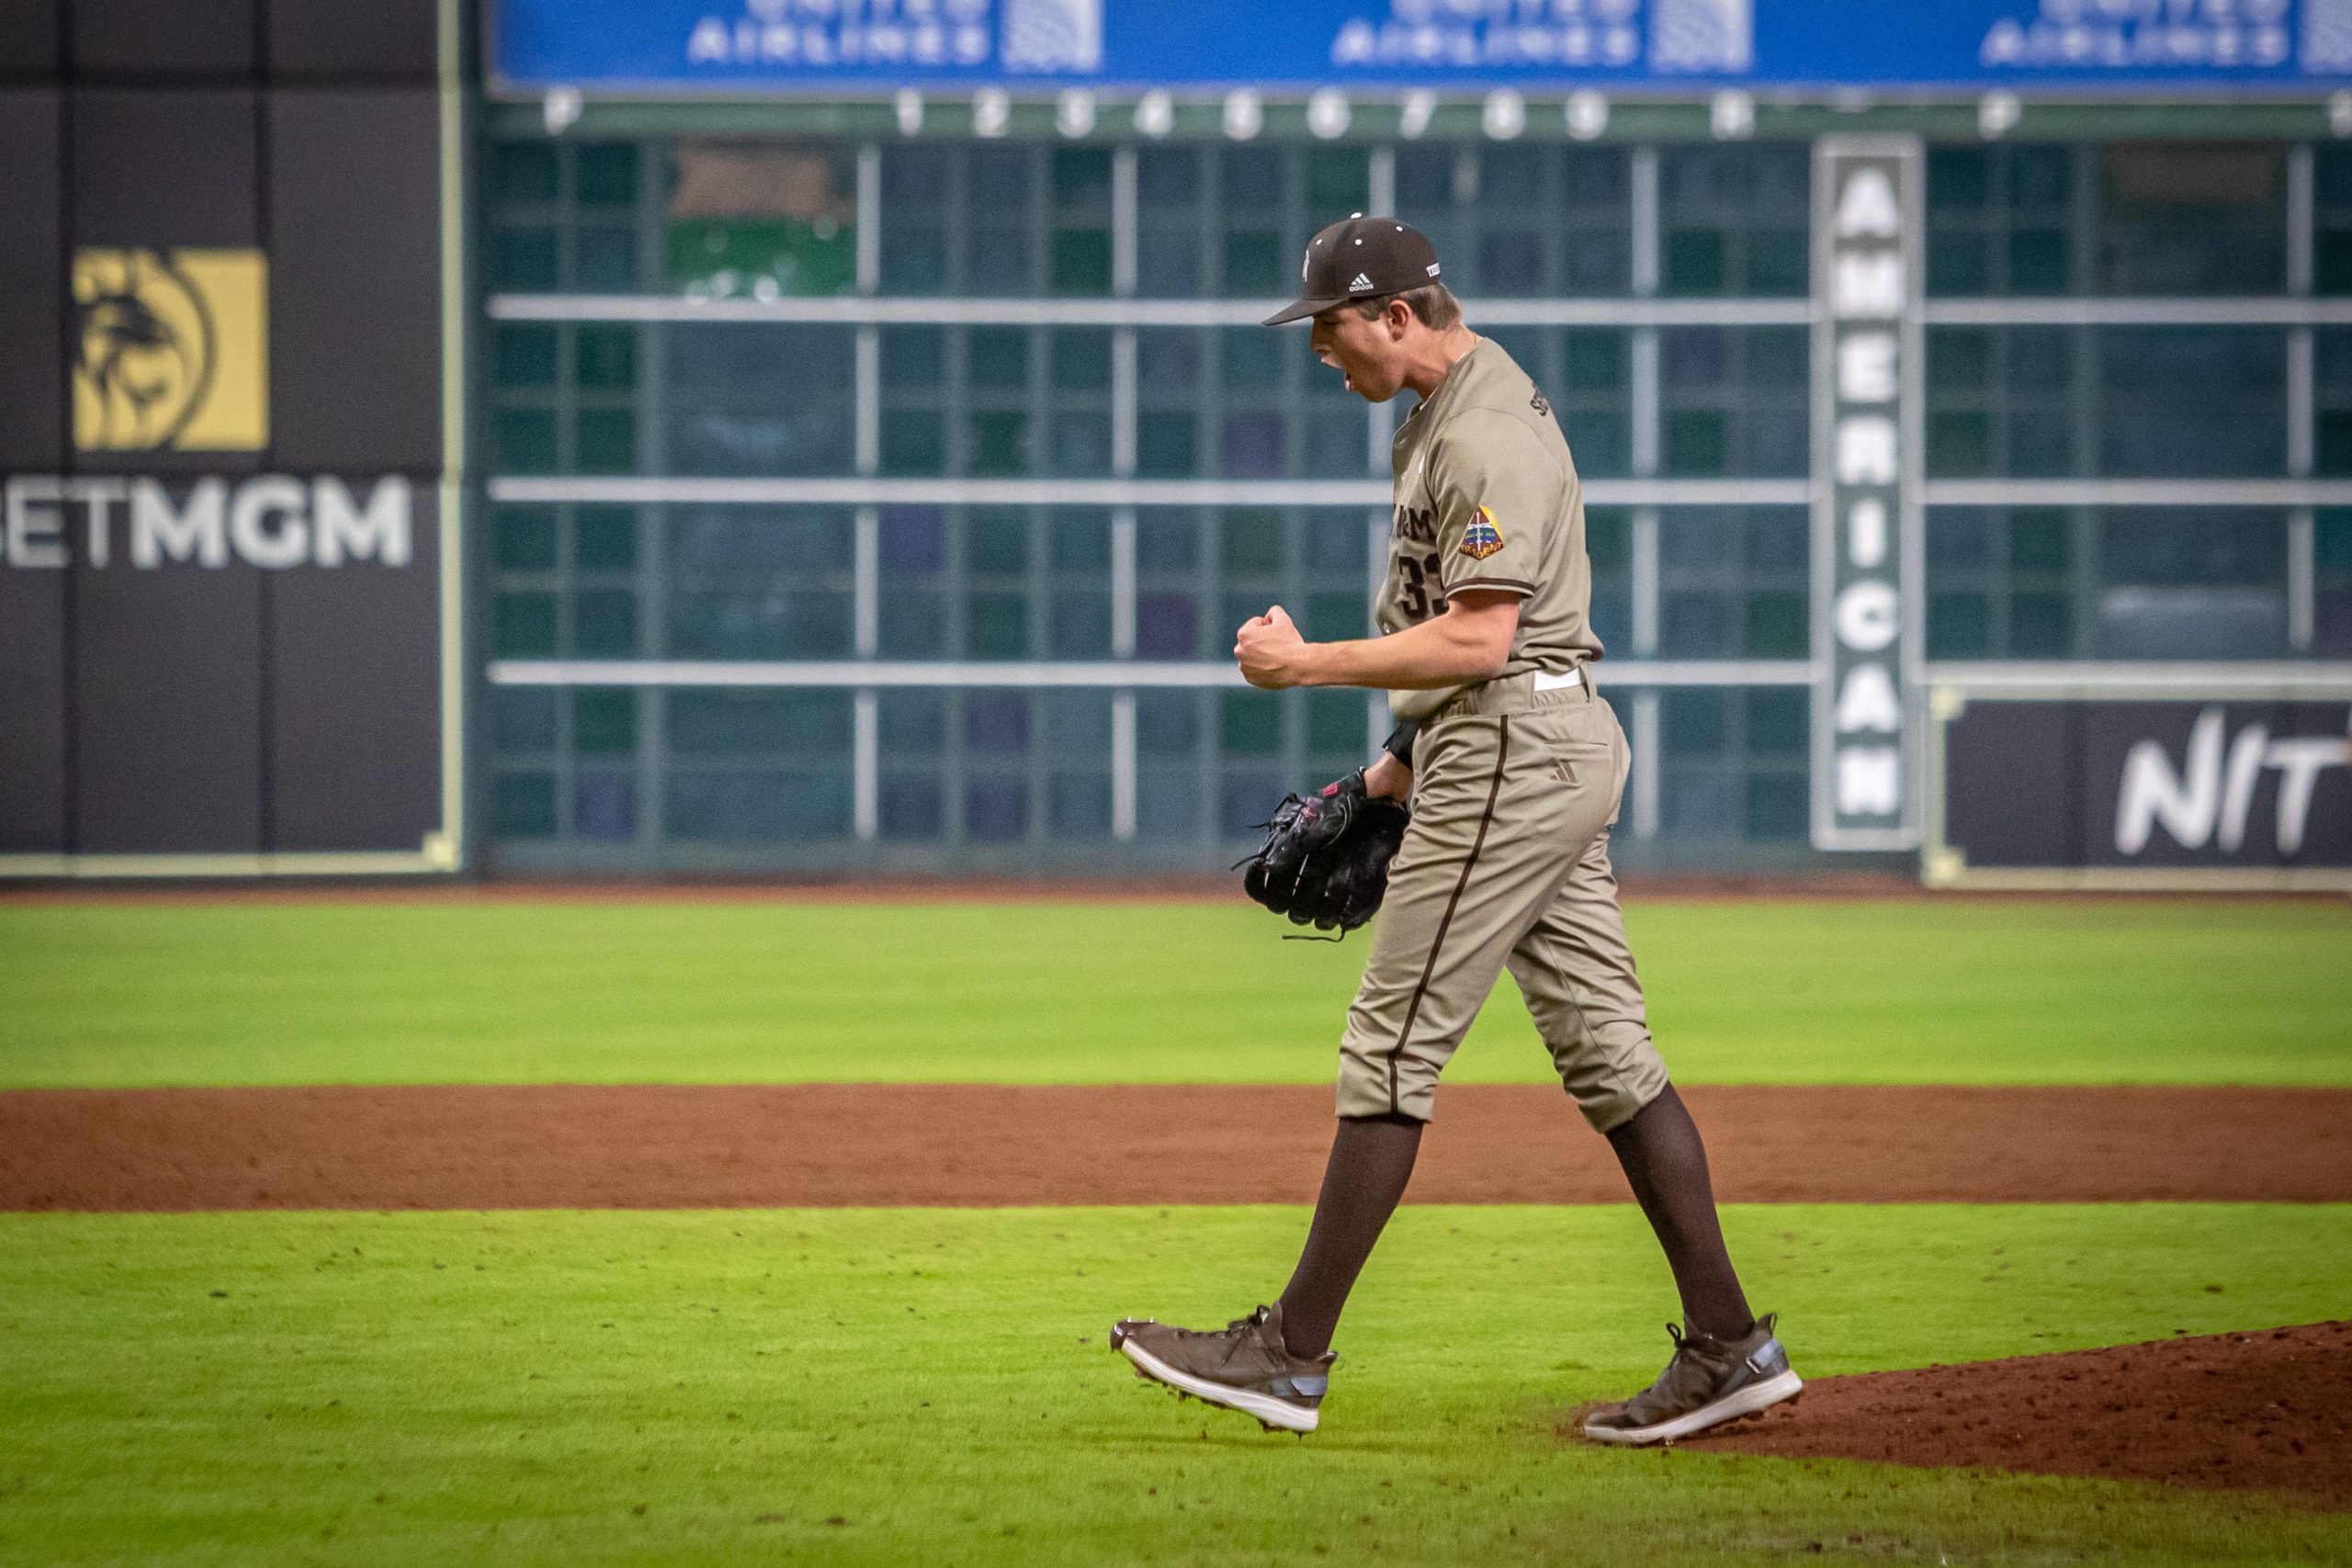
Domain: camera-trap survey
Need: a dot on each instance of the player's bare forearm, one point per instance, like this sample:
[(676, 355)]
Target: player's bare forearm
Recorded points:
[(1470, 642), (1387, 779)]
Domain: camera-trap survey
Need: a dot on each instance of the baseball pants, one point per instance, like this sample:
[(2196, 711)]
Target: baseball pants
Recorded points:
[(1506, 863)]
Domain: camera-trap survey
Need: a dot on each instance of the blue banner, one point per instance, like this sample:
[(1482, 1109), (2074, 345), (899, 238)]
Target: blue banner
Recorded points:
[(861, 46)]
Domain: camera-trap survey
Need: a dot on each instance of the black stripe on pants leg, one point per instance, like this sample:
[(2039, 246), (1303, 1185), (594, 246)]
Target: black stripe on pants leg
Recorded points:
[(1413, 1008)]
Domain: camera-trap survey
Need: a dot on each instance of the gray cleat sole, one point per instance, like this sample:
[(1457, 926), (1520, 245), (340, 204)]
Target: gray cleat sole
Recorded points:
[(1272, 1411), (1740, 1402)]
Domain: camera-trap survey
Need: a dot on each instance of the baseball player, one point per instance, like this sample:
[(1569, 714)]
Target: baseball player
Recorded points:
[(1514, 767)]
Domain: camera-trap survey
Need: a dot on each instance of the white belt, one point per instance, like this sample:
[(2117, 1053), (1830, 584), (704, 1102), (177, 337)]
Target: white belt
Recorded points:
[(1547, 682)]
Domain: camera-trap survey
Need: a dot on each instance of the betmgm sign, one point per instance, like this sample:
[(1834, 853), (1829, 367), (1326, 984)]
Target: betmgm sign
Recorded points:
[(2069, 787), (230, 603)]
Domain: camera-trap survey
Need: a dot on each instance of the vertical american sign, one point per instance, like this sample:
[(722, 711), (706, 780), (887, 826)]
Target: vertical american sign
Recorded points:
[(1866, 525)]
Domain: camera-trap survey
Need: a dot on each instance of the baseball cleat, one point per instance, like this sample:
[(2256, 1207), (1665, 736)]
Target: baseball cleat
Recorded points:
[(1243, 1366), (1709, 1382)]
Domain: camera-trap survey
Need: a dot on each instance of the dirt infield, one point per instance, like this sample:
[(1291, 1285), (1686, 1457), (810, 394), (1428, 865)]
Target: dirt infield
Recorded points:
[(980, 1145), (2230, 1410)]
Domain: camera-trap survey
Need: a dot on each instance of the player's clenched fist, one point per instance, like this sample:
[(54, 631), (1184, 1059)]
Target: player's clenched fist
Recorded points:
[(1270, 652)]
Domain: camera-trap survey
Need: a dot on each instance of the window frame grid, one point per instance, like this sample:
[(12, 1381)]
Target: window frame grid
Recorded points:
[(1643, 678)]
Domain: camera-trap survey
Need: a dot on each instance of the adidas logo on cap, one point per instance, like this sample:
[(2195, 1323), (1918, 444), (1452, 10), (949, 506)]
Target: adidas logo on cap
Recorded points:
[(1359, 283)]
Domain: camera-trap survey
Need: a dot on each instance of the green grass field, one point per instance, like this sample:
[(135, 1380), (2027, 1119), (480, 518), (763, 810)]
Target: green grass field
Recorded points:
[(566, 1388), (898, 1386), (1746, 992)]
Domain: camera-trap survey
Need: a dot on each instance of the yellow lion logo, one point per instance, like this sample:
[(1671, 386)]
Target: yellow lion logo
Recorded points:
[(169, 351)]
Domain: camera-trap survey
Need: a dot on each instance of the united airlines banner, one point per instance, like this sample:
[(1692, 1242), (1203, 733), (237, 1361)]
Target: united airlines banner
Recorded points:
[(826, 46), (2052, 790)]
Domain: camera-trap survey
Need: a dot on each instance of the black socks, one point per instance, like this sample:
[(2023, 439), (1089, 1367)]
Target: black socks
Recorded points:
[(1371, 1159), (1666, 1165)]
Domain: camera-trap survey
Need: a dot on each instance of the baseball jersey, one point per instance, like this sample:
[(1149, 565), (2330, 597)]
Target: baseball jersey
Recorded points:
[(1486, 498)]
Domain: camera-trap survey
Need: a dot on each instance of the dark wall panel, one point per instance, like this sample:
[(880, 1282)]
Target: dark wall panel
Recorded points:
[(32, 711), (154, 168), (167, 170), (380, 42), (356, 701), (355, 243), (168, 709), (2009, 793), (177, 38), (28, 39), (32, 282), (175, 707)]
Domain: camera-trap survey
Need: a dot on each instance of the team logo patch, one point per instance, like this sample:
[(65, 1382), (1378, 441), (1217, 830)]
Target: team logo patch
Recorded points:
[(171, 350), (1482, 538)]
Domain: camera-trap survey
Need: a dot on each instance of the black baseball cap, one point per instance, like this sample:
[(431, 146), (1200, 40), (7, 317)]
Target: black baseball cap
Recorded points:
[(1359, 258)]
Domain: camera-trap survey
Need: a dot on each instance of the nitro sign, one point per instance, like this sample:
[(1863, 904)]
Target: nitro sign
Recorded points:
[(2057, 791), (2209, 798), (1866, 433)]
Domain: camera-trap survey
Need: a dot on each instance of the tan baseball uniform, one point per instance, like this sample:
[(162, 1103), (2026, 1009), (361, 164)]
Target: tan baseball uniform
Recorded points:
[(1516, 780)]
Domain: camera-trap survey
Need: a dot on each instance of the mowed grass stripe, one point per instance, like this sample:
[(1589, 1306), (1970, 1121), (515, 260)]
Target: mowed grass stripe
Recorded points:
[(1973, 991), (921, 1386)]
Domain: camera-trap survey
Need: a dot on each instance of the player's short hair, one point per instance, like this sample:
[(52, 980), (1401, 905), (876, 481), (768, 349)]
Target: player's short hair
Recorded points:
[(1433, 302)]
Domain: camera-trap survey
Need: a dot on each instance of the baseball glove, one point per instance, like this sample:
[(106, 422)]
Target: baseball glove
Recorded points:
[(1325, 861)]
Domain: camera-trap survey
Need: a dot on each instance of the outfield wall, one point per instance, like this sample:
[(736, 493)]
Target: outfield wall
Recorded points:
[(871, 467)]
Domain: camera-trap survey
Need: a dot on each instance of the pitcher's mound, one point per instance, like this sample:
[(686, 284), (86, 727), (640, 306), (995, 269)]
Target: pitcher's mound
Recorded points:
[(2266, 1409)]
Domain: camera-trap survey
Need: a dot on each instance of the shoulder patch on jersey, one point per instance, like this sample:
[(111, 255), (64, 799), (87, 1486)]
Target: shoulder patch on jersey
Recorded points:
[(1482, 538), (1539, 404)]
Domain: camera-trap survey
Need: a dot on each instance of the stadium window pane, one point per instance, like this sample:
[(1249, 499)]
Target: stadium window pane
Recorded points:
[(1246, 800), (1078, 804), (715, 722), (522, 806), (604, 721), (1168, 805), (1338, 181), (603, 261), (1734, 219), (759, 582), (604, 441), (1777, 807), (524, 625), (604, 805), (604, 173), (1335, 723), (997, 722), (605, 538), (523, 718), (2332, 584), (605, 358), (2173, 579), (911, 808), (522, 259), (523, 537), (523, 172), (1959, 625), (912, 723), (738, 402), (996, 811), (2192, 219), (2192, 401), (523, 353), (1249, 723), (604, 623)]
